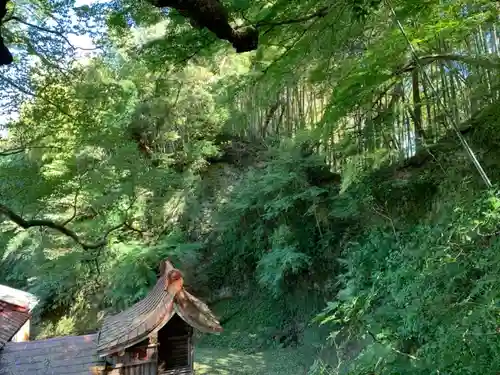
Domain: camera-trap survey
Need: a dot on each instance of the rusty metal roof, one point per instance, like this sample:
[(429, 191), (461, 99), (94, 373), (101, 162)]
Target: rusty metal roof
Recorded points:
[(18, 297), (15, 309), (12, 318), (131, 326), (69, 355)]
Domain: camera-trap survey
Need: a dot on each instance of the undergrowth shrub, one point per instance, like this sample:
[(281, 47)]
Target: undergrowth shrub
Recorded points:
[(141, 261), (278, 226), (427, 296), (77, 287)]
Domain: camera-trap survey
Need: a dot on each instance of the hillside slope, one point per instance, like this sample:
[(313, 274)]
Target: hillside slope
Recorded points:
[(419, 267)]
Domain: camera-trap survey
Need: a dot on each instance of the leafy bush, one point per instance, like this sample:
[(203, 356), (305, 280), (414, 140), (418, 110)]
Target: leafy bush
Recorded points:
[(279, 224), (427, 296), (142, 261)]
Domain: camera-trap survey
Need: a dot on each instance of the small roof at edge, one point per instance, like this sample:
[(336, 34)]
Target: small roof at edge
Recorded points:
[(69, 355), (12, 318), (18, 297)]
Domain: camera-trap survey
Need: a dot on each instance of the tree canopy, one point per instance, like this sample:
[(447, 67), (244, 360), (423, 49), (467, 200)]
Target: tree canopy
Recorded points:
[(337, 159)]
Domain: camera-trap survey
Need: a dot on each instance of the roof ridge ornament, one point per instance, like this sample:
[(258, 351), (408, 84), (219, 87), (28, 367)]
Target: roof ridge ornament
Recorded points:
[(149, 315)]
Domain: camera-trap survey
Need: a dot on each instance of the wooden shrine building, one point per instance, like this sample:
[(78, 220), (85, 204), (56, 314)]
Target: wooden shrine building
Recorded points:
[(153, 337)]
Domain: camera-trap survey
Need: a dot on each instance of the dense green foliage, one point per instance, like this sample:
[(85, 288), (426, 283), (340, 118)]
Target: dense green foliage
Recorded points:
[(316, 183)]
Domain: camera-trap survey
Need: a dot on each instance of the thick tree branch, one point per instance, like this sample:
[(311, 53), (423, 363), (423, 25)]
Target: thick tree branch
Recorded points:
[(202, 13), (213, 15), (5, 55), (14, 217)]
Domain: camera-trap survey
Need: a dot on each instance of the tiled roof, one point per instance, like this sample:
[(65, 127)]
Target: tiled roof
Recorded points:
[(153, 312), (12, 318), (196, 313), (70, 355), (135, 324)]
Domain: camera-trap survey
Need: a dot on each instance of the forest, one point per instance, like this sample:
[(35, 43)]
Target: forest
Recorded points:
[(323, 172)]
